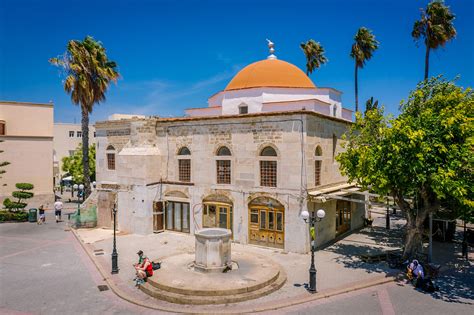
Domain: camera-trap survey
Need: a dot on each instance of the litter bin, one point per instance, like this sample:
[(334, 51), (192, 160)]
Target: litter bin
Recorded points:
[(32, 215)]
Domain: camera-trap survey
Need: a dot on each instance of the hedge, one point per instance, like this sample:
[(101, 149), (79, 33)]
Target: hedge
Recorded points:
[(13, 216)]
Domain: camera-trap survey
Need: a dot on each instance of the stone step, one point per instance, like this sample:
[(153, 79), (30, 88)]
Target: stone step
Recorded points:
[(211, 298), (214, 292)]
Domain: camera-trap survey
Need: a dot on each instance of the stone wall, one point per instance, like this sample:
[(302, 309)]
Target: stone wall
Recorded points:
[(147, 167)]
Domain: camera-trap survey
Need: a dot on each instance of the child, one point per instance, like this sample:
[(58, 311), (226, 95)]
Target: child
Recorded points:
[(42, 216)]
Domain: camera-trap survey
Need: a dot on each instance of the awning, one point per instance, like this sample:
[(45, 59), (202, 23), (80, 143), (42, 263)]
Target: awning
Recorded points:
[(338, 192), (67, 179)]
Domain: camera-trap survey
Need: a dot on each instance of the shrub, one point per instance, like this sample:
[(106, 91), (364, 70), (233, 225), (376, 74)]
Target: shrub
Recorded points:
[(20, 216), (22, 194)]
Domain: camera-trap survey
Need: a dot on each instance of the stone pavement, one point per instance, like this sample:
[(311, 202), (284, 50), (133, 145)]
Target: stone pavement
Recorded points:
[(339, 267)]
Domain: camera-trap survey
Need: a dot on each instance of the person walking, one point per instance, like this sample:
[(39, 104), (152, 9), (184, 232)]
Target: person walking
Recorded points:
[(42, 217), (58, 207)]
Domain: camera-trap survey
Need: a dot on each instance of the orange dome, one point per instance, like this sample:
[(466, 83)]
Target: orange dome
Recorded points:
[(270, 73)]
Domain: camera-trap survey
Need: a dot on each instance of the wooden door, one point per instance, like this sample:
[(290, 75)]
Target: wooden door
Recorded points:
[(343, 216), (217, 215), (158, 225), (266, 226)]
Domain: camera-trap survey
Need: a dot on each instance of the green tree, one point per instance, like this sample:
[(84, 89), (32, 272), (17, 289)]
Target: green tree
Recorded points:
[(3, 164), (314, 53), (362, 50), (22, 194), (88, 75), (425, 154), (73, 164), (435, 28)]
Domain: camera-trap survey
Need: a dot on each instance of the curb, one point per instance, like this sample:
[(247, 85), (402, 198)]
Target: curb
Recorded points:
[(295, 301)]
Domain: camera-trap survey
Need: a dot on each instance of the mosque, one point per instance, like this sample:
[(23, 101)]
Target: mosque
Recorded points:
[(261, 152)]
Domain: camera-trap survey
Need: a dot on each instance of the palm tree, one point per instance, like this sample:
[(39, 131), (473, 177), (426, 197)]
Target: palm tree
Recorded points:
[(371, 104), (362, 50), (88, 74), (314, 53), (435, 27)]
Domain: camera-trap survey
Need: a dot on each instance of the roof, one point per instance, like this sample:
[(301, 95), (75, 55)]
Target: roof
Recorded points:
[(101, 124), (26, 103), (270, 73)]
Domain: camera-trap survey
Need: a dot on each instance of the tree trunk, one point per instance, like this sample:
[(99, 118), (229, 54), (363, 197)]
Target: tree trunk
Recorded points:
[(427, 61), (356, 88), (85, 152), (414, 226)]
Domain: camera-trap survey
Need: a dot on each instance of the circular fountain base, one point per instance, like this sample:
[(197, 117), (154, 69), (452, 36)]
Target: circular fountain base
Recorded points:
[(252, 276)]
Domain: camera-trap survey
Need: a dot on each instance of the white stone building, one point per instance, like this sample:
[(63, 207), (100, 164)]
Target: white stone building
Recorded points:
[(263, 150)]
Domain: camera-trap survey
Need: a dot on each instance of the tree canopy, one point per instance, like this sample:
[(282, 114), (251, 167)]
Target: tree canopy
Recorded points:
[(424, 154), (314, 53), (435, 28), (73, 164)]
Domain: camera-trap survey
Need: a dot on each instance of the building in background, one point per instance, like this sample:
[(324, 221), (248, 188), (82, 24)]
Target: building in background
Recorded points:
[(27, 132), (67, 137)]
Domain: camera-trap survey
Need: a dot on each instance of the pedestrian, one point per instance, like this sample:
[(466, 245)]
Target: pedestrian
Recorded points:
[(58, 207), (42, 217), (144, 268)]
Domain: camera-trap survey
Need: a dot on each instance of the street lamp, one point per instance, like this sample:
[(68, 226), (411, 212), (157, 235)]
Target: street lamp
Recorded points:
[(79, 188), (115, 268), (320, 214)]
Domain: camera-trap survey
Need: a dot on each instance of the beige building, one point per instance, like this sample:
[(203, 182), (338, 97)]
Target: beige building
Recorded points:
[(261, 152), (27, 132), (67, 138)]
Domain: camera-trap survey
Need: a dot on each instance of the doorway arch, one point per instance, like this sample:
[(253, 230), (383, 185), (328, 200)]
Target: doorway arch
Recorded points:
[(217, 212), (266, 222)]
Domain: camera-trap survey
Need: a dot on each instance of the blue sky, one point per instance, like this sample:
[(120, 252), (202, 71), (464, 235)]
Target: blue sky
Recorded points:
[(173, 55)]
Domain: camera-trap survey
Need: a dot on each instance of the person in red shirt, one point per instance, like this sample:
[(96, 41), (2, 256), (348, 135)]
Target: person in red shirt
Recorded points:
[(144, 268)]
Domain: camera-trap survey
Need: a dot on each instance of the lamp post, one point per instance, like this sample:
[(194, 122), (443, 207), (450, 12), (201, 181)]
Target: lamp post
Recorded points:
[(387, 217), (78, 214), (115, 268), (320, 214)]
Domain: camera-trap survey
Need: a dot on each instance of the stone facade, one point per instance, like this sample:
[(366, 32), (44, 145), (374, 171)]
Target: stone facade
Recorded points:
[(147, 173)]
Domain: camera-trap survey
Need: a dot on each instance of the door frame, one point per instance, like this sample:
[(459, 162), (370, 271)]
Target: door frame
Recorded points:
[(230, 213), (165, 219), (157, 212), (269, 233), (344, 213)]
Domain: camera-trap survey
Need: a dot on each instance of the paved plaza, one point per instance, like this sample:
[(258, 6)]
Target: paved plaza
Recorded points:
[(45, 270)]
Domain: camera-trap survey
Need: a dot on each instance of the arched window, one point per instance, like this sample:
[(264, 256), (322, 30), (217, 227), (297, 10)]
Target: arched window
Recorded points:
[(184, 151), (223, 151), (268, 151), (223, 166), (184, 165), (334, 144), (318, 156), (268, 167), (334, 110), (110, 152)]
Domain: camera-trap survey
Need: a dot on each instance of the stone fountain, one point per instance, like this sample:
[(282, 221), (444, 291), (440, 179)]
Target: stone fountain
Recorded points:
[(213, 250)]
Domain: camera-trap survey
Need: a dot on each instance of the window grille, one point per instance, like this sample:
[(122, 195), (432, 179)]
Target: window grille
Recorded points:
[(223, 171), (185, 170), (111, 161), (317, 173), (268, 173)]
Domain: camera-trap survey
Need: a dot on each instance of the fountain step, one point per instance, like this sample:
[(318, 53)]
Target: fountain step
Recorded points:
[(216, 291), (216, 296)]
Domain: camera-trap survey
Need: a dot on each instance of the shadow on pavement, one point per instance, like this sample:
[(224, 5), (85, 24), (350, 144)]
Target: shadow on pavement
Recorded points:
[(455, 282)]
